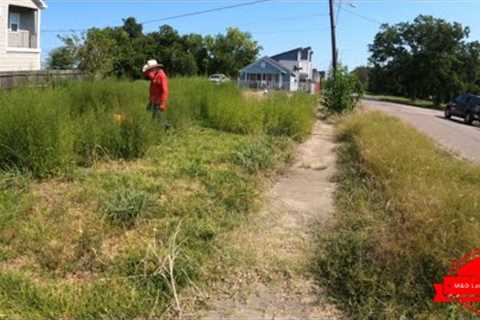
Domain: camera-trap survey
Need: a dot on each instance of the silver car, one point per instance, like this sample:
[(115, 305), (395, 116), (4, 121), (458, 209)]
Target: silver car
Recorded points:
[(218, 78)]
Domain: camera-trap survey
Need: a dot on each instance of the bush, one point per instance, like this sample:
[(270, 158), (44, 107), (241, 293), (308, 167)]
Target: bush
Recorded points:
[(405, 211), (342, 91)]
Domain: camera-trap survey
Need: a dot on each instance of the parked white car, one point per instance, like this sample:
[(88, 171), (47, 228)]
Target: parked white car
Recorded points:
[(218, 78)]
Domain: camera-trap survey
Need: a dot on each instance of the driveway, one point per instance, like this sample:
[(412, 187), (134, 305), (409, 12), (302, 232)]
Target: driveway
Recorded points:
[(453, 134)]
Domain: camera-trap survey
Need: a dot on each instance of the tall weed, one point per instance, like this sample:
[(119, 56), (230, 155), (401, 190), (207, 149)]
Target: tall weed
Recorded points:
[(47, 131)]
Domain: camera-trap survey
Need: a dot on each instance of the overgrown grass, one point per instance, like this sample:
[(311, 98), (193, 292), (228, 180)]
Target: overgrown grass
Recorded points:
[(48, 131), (405, 210), (125, 214)]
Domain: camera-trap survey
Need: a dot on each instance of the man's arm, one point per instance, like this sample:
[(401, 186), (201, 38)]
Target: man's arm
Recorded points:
[(165, 91)]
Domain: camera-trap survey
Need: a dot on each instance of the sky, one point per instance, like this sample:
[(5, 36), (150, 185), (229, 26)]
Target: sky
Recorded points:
[(278, 25)]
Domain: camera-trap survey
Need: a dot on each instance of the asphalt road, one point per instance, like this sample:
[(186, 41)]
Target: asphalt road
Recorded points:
[(452, 134)]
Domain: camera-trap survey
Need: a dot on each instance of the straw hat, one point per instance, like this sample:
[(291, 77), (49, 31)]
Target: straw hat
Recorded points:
[(151, 64)]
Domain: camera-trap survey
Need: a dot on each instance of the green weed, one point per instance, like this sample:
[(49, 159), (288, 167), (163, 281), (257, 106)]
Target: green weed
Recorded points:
[(125, 205)]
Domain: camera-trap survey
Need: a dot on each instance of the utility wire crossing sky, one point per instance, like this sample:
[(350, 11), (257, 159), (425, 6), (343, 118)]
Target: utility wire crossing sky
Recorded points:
[(278, 25)]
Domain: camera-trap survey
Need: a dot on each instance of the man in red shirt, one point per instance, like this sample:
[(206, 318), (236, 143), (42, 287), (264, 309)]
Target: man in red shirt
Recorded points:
[(158, 90)]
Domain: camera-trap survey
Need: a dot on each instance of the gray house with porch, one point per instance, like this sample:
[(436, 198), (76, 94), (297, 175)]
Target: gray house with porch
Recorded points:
[(291, 70), (267, 73)]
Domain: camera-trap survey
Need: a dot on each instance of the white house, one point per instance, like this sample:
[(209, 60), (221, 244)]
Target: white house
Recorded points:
[(291, 70), (20, 34)]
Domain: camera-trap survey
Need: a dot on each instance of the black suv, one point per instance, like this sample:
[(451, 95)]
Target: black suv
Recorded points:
[(466, 106)]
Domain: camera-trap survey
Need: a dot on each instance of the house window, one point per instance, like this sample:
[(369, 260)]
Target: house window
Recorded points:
[(14, 21), (263, 65)]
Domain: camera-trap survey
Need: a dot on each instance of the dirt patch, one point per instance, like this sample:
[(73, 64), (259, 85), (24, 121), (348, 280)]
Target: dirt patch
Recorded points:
[(274, 281)]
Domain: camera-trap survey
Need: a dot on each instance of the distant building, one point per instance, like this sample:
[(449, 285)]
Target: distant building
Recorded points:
[(20, 34), (291, 70)]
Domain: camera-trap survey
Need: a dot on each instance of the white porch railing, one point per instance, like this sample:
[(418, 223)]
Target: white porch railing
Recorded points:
[(22, 39), (260, 84)]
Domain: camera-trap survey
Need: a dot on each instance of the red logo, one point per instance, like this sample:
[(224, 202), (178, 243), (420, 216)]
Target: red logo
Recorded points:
[(462, 285)]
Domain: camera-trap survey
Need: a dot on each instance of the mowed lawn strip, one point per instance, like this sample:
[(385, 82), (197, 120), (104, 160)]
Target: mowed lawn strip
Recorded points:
[(405, 210), (120, 226), (426, 104)]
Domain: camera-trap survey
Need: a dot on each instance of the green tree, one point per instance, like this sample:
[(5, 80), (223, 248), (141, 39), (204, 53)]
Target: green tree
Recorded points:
[(362, 73), (231, 52), (427, 58), (196, 46), (65, 57), (121, 51), (132, 27), (97, 53)]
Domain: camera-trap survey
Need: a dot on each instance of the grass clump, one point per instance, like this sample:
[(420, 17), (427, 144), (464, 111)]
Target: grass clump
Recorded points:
[(254, 157), (262, 154), (125, 205), (405, 210)]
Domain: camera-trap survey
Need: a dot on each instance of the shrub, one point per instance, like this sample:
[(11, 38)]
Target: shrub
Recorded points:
[(342, 91)]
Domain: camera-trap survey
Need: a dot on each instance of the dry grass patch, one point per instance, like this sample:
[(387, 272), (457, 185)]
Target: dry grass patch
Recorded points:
[(405, 210)]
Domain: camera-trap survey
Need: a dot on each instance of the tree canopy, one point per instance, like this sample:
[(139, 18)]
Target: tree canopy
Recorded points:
[(427, 58), (121, 51)]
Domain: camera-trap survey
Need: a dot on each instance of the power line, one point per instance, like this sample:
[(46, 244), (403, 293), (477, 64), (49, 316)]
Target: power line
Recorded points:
[(196, 13), (183, 15), (371, 20), (292, 31), (287, 18)]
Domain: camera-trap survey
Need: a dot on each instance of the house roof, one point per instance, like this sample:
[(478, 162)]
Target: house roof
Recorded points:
[(285, 55), (41, 4), (271, 62)]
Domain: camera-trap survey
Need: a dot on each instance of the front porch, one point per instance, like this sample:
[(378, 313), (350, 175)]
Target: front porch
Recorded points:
[(23, 28), (262, 81)]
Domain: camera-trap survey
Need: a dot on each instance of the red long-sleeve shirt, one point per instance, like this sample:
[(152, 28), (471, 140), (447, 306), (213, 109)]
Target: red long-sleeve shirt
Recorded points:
[(159, 88)]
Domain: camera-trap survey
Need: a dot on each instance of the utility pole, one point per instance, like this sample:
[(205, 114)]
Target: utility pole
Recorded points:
[(334, 37)]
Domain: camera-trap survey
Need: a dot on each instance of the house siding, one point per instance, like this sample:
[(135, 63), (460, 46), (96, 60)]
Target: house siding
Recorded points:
[(3, 26), (14, 60)]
